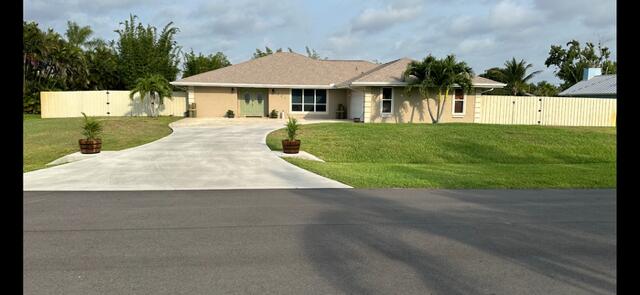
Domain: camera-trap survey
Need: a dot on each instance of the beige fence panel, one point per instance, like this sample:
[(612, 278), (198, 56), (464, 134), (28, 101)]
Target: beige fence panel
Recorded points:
[(64, 104), (553, 111)]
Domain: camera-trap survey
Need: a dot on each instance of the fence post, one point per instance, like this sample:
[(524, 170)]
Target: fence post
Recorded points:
[(108, 112)]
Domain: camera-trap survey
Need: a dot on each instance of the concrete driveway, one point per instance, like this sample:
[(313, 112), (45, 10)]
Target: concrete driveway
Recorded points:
[(199, 154)]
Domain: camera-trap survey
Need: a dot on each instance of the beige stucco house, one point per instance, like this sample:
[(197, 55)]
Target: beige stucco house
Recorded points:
[(302, 87)]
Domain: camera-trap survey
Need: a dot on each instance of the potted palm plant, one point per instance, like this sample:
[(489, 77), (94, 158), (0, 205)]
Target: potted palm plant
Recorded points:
[(291, 145), (91, 130)]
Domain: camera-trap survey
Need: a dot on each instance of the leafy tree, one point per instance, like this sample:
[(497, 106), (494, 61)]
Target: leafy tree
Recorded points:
[(102, 61), (571, 62), (49, 63), (196, 64), (514, 74), (439, 74), (267, 51), (141, 51), (153, 86), (543, 88)]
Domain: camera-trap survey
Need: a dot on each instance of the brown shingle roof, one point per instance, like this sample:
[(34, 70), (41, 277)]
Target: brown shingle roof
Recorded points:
[(391, 72), (285, 68)]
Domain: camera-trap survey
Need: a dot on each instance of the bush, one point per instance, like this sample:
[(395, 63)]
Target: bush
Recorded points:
[(91, 128), (292, 128), (230, 114), (273, 114)]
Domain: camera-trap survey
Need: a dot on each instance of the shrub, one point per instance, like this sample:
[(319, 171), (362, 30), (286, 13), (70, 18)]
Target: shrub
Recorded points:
[(230, 114), (292, 128), (273, 114), (91, 128)]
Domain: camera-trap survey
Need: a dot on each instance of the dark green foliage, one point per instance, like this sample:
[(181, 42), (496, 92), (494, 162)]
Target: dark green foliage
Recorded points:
[(571, 62), (196, 64), (142, 51), (273, 114), (153, 87), (230, 114), (514, 74), (440, 75), (267, 51), (543, 88)]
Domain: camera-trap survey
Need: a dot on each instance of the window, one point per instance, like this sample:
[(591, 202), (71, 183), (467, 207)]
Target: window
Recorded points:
[(309, 100), (387, 101), (296, 100), (458, 102)]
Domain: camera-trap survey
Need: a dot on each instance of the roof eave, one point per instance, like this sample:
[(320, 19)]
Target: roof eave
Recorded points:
[(251, 85)]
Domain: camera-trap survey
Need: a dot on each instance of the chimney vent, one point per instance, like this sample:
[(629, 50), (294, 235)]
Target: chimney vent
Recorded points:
[(589, 73)]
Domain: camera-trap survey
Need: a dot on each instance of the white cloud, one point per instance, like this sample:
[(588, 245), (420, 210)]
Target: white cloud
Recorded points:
[(373, 19)]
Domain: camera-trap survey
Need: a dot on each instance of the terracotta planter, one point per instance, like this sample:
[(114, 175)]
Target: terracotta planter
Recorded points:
[(290, 147), (90, 146)]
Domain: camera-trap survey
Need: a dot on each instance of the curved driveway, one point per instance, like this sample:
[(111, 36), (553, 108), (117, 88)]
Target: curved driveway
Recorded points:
[(199, 154)]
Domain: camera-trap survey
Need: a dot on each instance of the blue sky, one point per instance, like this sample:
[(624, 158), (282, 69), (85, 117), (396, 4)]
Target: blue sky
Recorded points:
[(484, 33)]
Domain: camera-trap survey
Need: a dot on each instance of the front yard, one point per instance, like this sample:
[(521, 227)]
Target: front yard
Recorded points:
[(458, 155), (45, 140)]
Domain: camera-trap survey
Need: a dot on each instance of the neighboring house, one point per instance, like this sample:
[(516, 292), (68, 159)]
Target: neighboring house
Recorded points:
[(302, 87), (593, 85)]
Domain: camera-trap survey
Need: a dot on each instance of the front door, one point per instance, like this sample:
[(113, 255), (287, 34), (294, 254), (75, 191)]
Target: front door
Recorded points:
[(252, 102)]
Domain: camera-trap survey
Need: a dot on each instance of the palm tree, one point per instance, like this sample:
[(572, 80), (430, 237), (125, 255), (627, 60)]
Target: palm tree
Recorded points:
[(439, 74), (514, 74), (154, 86), (76, 35)]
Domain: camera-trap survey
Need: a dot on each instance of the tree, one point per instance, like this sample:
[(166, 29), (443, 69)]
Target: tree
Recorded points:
[(312, 53), (543, 88), (571, 62), (49, 63), (153, 86), (514, 74), (102, 61), (196, 64), (267, 51), (142, 52), (439, 74), (76, 35)]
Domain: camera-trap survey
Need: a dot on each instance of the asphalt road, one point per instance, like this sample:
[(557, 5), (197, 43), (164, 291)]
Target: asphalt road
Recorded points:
[(321, 241)]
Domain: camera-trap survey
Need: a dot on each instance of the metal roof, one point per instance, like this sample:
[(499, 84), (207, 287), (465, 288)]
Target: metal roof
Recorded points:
[(598, 85)]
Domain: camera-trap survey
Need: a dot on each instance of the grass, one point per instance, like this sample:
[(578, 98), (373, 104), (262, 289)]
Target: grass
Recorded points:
[(45, 140), (459, 155)]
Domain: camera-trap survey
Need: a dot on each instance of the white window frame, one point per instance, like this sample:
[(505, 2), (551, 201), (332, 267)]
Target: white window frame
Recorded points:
[(314, 101), (382, 113), (453, 103)]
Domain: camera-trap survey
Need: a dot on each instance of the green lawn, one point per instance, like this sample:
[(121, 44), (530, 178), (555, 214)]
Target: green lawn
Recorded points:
[(459, 155), (48, 139)]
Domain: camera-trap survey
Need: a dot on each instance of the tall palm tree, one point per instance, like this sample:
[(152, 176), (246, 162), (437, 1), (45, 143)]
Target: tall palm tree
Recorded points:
[(440, 74), (514, 74), (154, 86), (77, 35)]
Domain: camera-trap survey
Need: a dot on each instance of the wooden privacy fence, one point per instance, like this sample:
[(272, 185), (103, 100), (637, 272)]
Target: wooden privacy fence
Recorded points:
[(64, 104), (538, 110)]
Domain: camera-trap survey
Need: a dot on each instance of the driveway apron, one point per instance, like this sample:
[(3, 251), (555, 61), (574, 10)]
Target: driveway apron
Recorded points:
[(199, 154)]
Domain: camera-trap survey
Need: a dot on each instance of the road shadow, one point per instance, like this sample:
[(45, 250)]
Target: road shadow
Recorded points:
[(554, 237)]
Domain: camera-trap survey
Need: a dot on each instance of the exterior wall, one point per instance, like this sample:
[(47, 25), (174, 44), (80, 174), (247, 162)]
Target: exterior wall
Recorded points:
[(103, 103), (412, 108), (554, 111), (215, 101), (280, 100)]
